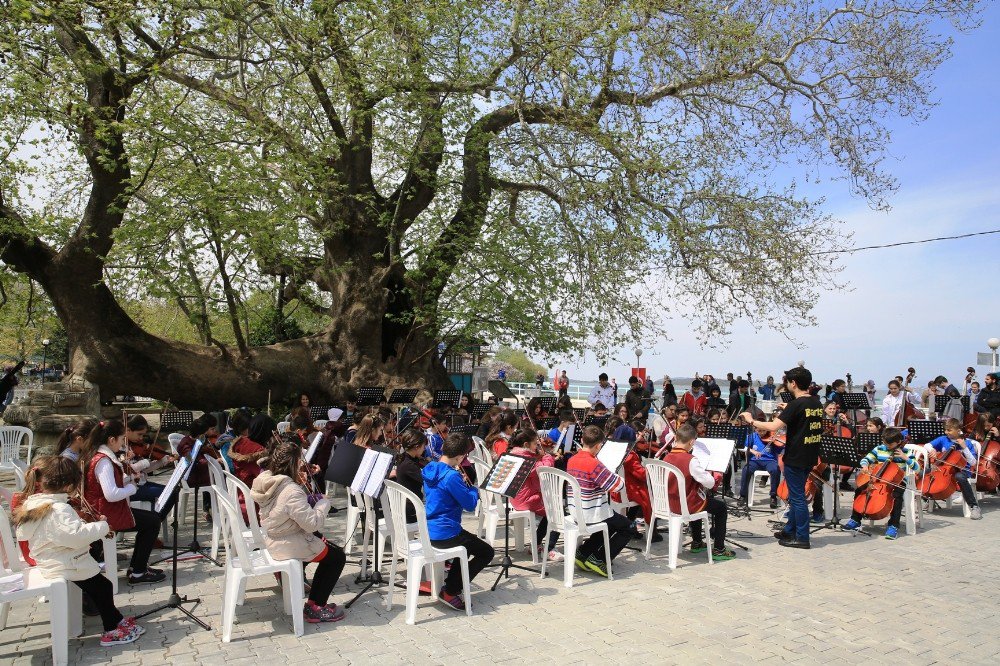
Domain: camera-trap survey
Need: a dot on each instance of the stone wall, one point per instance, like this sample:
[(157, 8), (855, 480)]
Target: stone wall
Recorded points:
[(52, 408)]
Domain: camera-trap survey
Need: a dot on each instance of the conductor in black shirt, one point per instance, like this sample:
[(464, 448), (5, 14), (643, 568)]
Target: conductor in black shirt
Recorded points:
[(803, 420)]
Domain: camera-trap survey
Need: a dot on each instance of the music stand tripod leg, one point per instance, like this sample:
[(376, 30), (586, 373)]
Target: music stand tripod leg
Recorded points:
[(506, 564), (175, 601)]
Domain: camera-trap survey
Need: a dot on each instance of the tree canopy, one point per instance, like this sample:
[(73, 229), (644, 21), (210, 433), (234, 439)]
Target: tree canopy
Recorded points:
[(408, 172)]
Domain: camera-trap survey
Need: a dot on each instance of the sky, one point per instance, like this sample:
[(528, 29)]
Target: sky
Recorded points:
[(930, 306)]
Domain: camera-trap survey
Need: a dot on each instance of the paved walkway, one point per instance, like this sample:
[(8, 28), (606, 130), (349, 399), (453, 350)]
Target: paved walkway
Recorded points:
[(919, 600)]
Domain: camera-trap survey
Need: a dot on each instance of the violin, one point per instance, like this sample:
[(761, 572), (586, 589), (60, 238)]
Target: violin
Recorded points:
[(875, 498), (148, 450), (939, 483)]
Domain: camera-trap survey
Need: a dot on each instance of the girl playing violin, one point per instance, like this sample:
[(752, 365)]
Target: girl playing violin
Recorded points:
[(529, 498), (108, 487), (135, 431), (892, 449), (204, 428), (503, 429)]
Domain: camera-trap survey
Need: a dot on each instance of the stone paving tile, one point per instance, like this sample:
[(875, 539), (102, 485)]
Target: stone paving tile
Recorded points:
[(851, 599)]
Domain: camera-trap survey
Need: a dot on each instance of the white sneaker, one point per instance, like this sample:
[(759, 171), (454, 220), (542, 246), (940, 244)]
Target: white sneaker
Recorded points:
[(976, 513), (555, 556)]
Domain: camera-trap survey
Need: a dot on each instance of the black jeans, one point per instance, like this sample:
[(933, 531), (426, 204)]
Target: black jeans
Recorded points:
[(619, 534), (480, 555), (100, 591), (147, 526), (897, 507), (718, 513), (327, 574), (968, 494), (543, 526)]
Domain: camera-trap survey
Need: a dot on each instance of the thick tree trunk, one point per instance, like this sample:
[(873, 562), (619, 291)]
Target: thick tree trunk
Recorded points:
[(359, 349)]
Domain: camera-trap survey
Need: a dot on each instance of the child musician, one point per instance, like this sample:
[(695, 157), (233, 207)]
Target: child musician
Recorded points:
[(954, 437), (762, 457), (696, 481), (59, 541), (596, 481), (291, 526), (529, 498), (108, 491), (446, 495), (891, 448)]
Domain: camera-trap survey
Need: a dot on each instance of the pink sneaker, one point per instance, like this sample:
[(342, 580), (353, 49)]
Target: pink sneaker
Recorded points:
[(314, 614)]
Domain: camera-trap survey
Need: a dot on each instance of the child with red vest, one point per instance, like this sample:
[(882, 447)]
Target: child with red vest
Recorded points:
[(107, 489), (203, 428), (696, 482)]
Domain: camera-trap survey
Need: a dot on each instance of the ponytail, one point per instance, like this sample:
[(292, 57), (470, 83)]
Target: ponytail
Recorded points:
[(81, 428)]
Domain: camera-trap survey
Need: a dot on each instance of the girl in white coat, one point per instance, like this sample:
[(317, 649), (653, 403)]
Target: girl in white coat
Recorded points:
[(60, 543)]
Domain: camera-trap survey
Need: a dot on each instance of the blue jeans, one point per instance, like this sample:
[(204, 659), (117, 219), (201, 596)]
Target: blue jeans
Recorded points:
[(798, 507), (758, 465)]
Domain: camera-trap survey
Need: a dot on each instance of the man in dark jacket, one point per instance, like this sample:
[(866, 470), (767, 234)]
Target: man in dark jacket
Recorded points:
[(740, 401), (636, 400)]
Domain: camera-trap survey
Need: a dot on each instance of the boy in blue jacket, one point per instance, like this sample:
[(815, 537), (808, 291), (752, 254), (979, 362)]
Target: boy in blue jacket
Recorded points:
[(953, 438), (446, 495)]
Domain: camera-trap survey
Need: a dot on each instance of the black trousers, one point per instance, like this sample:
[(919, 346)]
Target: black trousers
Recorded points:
[(327, 574), (717, 511), (480, 555), (101, 592), (619, 534), (147, 526), (543, 526)]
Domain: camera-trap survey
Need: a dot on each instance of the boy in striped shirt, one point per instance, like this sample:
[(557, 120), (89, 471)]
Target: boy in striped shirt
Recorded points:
[(892, 449), (596, 481)]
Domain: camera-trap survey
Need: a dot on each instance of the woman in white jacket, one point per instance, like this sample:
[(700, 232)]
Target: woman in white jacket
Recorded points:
[(60, 543), (292, 521)]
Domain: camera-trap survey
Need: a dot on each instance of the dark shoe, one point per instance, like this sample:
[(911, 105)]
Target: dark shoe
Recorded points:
[(657, 537), (794, 543), (146, 577), (845, 485), (774, 502), (597, 566), (314, 614), (455, 601), (698, 546), (723, 554), (782, 535)]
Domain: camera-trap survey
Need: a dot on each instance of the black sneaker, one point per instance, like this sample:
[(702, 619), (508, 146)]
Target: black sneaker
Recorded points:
[(782, 535), (794, 543), (774, 502), (147, 576), (657, 537)]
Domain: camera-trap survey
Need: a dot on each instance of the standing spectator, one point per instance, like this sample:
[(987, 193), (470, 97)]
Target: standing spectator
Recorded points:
[(614, 387), (669, 394), (695, 399), (563, 384), (768, 390), (649, 387), (604, 393)]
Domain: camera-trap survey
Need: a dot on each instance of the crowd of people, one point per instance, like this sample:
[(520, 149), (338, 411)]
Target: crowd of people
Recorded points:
[(82, 494)]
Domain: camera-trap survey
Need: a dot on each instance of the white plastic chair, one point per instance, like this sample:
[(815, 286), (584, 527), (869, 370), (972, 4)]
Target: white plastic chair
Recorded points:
[(64, 598), (10, 445), (174, 439), (243, 563), (658, 474), (283, 427), (571, 525), (19, 476), (419, 552), (218, 484), (482, 451), (320, 424), (186, 491), (252, 528)]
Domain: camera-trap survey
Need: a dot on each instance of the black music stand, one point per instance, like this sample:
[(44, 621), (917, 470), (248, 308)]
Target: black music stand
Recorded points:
[(450, 398), (941, 402), (837, 452), (921, 431), (501, 391), (548, 403), (479, 411), (369, 396), (319, 412), (506, 482), (176, 421), (866, 442), (465, 428), (549, 423), (403, 396), (599, 421), (175, 601), (854, 403), (786, 396)]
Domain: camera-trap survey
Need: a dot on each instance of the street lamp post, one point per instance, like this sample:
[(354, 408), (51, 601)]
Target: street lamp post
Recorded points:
[(638, 353), (45, 350), (994, 344)]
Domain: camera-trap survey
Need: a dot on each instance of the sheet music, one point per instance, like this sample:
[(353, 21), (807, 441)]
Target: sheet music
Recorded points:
[(371, 473), (195, 451), (566, 436), (311, 451), (714, 454), (612, 454), (503, 474), (179, 473)]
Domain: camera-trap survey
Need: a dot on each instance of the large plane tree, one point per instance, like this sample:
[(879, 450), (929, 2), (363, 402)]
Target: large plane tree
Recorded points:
[(551, 174)]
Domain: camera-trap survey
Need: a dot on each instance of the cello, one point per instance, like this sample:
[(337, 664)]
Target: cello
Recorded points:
[(988, 467), (876, 499), (939, 483), (906, 410)]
